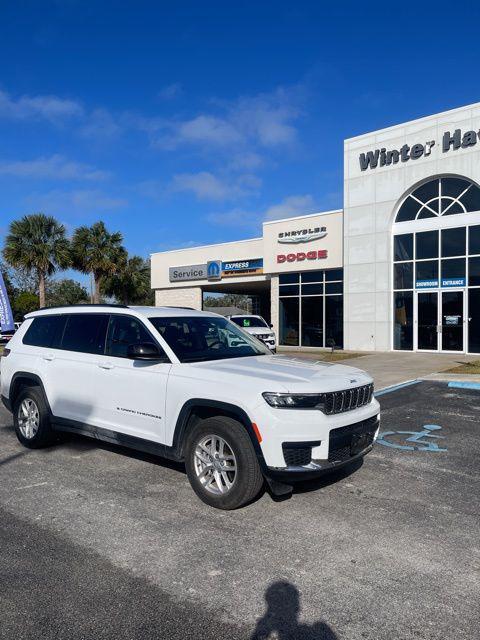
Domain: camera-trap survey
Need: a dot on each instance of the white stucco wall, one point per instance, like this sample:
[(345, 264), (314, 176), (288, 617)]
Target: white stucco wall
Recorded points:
[(370, 201)]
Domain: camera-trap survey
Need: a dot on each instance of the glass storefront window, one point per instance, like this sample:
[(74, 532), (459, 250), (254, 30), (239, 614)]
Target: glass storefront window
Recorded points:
[(334, 321), (311, 289), (333, 274), (453, 269), (403, 247), (474, 239), (289, 321), (426, 245), (403, 321), (453, 242), (313, 276), (474, 272), (474, 323), (289, 290), (289, 278), (311, 313), (312, 321), (427, 270), (404, 275)]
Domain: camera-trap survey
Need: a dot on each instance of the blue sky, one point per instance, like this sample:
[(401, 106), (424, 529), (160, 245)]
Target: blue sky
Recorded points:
[(182, 123)]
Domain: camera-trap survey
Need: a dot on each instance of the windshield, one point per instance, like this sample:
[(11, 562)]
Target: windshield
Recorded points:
[(249, 321), (200, 338)]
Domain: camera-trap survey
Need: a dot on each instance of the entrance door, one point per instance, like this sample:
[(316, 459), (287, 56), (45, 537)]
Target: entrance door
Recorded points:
[(427, 321), (452, 321)]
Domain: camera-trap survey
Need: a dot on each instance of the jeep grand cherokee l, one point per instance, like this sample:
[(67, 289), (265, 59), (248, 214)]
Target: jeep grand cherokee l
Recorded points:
[(190, 386)]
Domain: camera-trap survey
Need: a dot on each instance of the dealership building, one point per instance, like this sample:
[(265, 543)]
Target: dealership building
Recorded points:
[(397, 269)]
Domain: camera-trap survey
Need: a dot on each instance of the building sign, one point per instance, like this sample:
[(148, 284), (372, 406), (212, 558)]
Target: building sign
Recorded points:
[(242, 267), (453, 282), (426, 284), (322, 254), (190, 272), (385, 157), (302, 235), (446, 282), (214, 270)]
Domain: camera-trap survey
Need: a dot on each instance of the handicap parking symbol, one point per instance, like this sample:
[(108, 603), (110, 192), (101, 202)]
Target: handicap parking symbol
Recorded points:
[(418, 437)]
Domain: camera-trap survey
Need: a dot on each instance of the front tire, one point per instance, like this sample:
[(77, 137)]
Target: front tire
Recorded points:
[(31, 419), (221, 463)]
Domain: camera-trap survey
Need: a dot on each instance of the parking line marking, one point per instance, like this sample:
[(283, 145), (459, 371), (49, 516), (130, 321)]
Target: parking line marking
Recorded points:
[(465, 385), (395, 387)]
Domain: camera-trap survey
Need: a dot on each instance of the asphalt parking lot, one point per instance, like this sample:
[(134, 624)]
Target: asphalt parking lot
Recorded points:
[(99, 542)]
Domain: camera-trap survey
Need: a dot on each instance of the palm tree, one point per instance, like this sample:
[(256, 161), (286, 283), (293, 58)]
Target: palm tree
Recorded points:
[(131, 283), (37, 243), (97, 251)]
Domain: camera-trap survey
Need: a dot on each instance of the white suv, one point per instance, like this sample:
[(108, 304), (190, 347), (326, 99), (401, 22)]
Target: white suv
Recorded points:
[(190, 386), (256, 326)]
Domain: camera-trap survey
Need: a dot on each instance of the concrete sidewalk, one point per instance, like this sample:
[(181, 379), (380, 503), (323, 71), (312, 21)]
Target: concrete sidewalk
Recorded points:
[(389, 368)]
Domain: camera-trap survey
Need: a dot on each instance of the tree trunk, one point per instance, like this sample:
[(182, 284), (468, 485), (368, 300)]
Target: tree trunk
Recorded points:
[(96, 289), (41, 289)]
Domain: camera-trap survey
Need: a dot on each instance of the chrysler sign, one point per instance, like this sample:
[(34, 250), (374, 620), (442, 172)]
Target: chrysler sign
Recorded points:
[(302, 235)]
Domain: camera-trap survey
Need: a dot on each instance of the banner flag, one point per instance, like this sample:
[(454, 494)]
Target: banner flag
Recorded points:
[(6, 315)]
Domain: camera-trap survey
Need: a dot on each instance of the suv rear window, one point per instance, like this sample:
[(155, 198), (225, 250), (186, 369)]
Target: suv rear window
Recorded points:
[(45, 331), (85, 332)]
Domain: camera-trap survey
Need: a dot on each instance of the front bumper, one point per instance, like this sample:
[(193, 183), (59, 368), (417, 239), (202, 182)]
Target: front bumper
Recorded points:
[(340, 456), (291, 428)]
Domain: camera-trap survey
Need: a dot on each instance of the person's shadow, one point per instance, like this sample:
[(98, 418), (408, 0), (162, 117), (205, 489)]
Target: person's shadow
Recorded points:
[(281, 622)]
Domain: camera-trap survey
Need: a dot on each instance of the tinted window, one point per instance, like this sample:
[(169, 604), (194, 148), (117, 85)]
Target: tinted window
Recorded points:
[(474, 239), (334, 321), (403, 321), (312, 276), (334, 274), (453, 242), (85, 333), (201, 338), (403, 275), (427, 245), (288, 278), (45, 331), (403, 247), (289, 321), (124, 331)]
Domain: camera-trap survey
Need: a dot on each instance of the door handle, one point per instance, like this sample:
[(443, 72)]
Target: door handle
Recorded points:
[(105, 365), (49, 357)]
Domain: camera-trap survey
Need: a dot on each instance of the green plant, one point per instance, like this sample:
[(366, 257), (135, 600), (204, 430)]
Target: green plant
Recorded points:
[(97, 251), (37, 244)]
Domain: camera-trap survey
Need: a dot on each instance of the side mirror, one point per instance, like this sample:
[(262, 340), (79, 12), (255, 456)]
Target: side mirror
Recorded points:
[(270, 325), (145, 351)]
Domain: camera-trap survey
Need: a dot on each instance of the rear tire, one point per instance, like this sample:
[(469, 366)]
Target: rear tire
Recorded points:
[(31, 419), (221, 463)]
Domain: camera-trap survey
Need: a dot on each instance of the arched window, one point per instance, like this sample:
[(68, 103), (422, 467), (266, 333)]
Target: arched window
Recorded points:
[(440, 197)]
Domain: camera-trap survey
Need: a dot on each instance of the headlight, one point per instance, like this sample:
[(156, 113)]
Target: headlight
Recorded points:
[(295, 400)]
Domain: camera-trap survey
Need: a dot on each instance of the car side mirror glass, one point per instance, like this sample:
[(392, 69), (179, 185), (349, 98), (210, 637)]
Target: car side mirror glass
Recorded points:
[(146, 351)]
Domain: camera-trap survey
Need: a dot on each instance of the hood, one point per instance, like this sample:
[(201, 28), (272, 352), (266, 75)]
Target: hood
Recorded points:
[(282, 373)]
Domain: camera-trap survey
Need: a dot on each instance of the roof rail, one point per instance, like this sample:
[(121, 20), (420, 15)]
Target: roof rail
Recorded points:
[(86, 304), (171, 306)]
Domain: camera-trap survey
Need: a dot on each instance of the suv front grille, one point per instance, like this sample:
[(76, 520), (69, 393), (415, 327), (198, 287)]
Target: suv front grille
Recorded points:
[(340, 401), (341, 439)]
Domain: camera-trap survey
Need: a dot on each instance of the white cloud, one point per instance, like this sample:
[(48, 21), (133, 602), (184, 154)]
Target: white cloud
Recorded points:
[(46, 107), (266, 120), (100, 124), (84, 202), (207, 186), (290, 207), (170, 91), (55, 167), (247, 219)]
